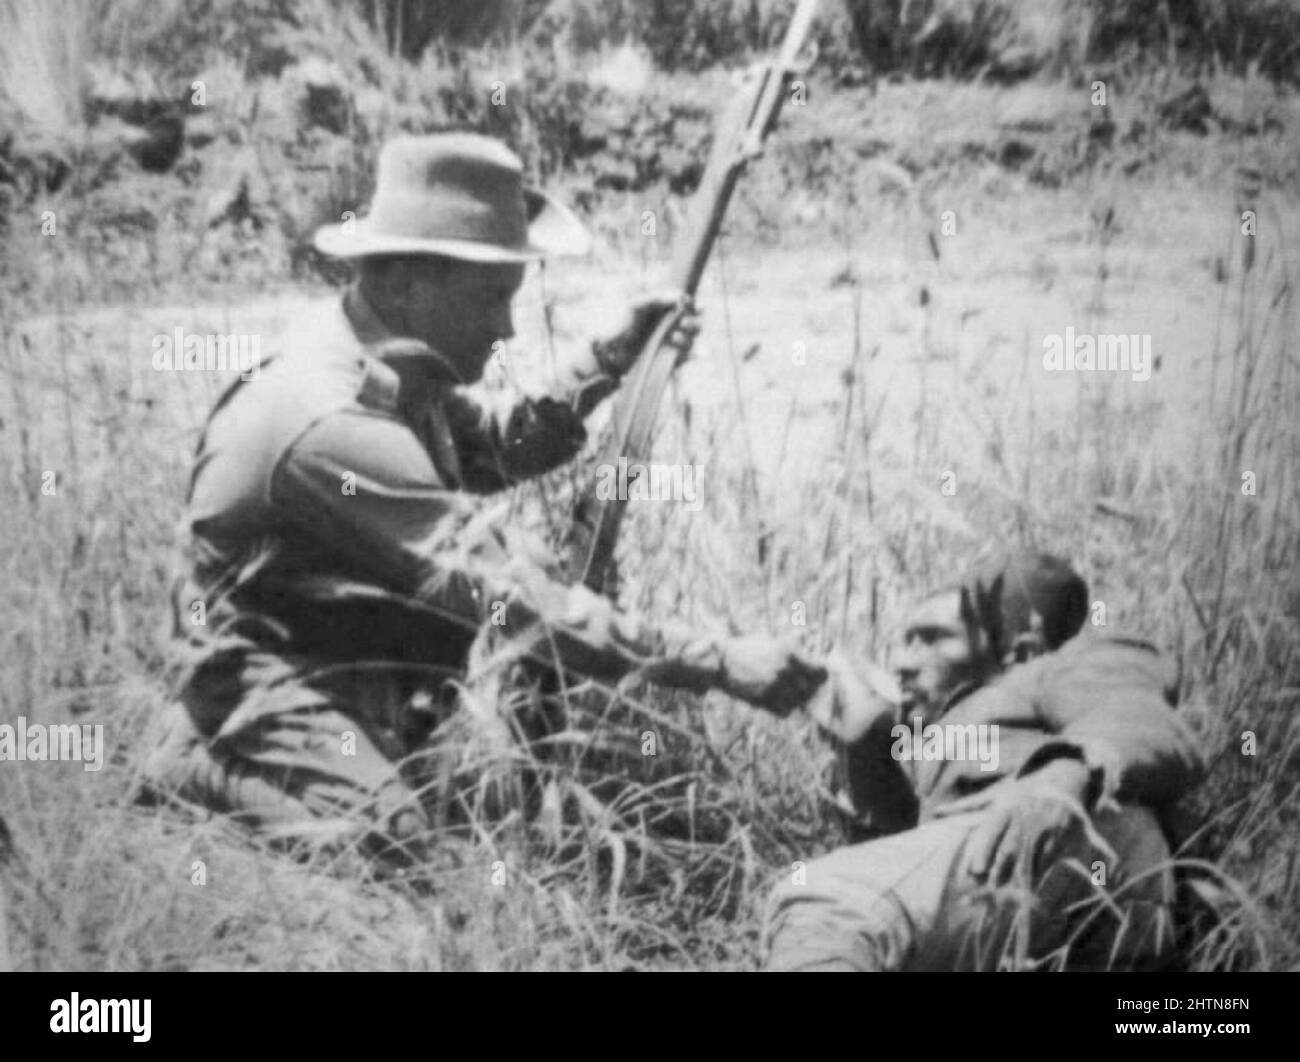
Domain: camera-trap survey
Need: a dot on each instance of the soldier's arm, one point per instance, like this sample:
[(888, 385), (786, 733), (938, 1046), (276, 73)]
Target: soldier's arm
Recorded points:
[(1106, 701), (398, 521), (510, 438)]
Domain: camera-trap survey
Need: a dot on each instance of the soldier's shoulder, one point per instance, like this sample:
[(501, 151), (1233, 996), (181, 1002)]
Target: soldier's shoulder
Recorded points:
[(323, 367), (1118, 659), (1092, 642), (318, 371)]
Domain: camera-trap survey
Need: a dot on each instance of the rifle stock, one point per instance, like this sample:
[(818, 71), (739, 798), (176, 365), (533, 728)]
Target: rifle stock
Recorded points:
[(747, 120)]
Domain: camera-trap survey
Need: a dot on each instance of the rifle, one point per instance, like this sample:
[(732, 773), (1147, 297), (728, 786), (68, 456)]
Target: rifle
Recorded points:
[(746, 122)]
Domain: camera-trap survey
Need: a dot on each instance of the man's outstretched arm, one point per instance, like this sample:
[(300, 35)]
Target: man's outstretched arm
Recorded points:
[(400, 523)]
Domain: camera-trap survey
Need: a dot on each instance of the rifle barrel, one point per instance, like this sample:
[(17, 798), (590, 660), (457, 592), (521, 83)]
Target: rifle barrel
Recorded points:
[(739, 139), (732, 153)]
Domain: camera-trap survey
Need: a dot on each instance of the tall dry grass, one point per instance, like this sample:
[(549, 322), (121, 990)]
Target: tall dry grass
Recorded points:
[(612, 858), (45, 49)]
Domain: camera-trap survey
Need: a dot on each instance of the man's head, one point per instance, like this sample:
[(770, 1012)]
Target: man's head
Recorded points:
[(442, 250), (964, 635), (458, 308)]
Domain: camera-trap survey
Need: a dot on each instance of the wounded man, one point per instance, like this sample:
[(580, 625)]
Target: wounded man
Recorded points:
[(1042, 841)]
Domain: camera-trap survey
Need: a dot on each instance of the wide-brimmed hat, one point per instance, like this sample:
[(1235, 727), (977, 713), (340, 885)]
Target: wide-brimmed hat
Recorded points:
[(458, 195)]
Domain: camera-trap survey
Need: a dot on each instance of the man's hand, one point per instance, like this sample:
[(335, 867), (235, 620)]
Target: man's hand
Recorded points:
[(768, 673), (618, 353), (854, 699), (1026, 822), (541, 434)]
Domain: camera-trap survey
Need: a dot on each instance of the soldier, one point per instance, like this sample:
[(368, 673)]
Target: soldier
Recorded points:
[(340, 566), (1053, 845)]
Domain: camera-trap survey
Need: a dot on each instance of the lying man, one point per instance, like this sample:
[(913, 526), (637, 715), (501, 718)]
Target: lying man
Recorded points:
[(1015, 799), (340, 569)]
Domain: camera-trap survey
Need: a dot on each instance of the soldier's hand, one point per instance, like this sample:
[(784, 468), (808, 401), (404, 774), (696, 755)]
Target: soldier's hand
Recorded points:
[(618, 353), (542, 434), (769, 673), (854, 699), (1027, 823)]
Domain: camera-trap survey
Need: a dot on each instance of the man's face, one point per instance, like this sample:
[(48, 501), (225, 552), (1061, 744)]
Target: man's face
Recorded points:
[(461, 309), (939, 652)]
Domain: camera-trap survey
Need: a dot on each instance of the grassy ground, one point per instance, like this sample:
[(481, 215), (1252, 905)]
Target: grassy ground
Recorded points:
[(920, 356)]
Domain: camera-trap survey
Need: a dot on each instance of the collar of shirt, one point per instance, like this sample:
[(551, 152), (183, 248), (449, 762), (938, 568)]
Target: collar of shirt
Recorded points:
[(424, 376), (417, 363), (959, 694)]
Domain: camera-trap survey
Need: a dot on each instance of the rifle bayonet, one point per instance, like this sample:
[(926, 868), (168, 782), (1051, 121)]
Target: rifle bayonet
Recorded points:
[(747, 121)]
